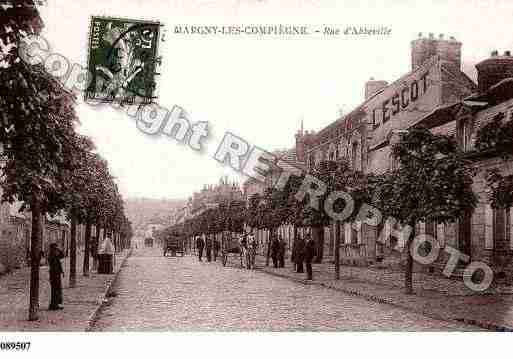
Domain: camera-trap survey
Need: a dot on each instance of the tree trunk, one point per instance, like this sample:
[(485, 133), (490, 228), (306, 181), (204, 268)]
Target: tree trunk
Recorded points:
[(318, 237), (73, 253), (87, 241), (337, 250), (294, 242), (408, 274), (268, 254), (35, 254), (96, 244)]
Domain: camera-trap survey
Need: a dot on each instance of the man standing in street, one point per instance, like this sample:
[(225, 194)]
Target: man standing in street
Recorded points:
[(281, 252), (200, 244), (299, 253), (208, 247), (217, 247), (275, 250), (54, 262), (309, 255)]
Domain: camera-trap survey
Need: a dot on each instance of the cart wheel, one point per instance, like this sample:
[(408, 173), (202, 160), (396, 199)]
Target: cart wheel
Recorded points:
[(225, 259)]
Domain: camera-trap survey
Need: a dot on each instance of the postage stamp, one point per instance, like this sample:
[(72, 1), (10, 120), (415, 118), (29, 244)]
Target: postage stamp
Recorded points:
[(123, 60)]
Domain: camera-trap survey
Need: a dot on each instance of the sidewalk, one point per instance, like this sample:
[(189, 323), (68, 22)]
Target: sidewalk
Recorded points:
[(80, 303), (436, 297)]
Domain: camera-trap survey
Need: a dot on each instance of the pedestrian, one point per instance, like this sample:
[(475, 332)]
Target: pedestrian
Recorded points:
[(200, 244), (107, 252), (275, 250), (300, 254), (54, 262), (293, 254), (208, 247), (309, 255), (252, 245), (217, 247), (94, 252), (281, 252)]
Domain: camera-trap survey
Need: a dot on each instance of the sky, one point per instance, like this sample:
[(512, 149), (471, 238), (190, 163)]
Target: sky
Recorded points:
[(258, 88)]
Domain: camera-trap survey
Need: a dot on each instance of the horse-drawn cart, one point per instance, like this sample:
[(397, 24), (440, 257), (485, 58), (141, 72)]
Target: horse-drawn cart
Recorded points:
[(174, 244), (230, 247), (233, 246)]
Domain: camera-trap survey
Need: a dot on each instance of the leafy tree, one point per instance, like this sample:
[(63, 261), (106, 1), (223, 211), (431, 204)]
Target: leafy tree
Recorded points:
[(433, 183), (336, 176), (497, 136), (37, 118), (501, 189), (18, 20), (252, 211), (79, 181)]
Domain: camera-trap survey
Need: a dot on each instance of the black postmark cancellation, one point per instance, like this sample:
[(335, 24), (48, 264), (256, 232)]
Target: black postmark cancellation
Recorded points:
[(123, 60)]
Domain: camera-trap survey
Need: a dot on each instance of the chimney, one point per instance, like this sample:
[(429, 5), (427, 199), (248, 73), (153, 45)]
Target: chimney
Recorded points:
[(423, 49), (372, 86), (493, 70)]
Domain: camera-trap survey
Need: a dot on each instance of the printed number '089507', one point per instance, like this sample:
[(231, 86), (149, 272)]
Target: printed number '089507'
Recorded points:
[(14, 346)]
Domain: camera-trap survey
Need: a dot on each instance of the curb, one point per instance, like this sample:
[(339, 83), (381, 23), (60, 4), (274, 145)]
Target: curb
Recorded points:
[(381, 300), (93, 316)]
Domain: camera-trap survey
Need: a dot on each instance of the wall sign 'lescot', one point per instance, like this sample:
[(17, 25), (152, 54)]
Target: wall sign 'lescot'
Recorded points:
[(400, 100)]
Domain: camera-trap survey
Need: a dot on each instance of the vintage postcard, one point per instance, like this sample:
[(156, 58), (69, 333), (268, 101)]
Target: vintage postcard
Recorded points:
[(251, 166)]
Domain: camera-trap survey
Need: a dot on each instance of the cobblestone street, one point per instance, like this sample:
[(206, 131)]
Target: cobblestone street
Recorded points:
[(173, 293)]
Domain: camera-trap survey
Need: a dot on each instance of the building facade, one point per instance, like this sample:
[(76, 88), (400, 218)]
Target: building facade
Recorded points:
[(438, 95), (15, 236)]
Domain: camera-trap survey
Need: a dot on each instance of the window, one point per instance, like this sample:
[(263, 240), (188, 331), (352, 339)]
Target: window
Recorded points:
[(311, 161), (394, 163), (431, 229), (465, 133), (354, 155), (354, 235), (502, 228)]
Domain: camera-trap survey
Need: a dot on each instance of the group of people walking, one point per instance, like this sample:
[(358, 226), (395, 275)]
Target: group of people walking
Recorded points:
[(303, 250)]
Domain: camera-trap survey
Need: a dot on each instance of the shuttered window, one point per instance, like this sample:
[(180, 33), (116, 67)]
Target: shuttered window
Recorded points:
[(489, 236), (499, 229), (431, 229), (500, 221), (354, 235), (440, 234), (347, 233)]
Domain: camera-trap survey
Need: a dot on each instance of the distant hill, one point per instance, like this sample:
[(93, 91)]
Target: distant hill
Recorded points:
[(145, 211)]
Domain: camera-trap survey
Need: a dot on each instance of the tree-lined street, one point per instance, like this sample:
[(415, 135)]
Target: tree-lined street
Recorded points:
[(173, 293)]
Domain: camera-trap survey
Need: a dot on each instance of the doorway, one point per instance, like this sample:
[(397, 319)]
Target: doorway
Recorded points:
[(465, 234)]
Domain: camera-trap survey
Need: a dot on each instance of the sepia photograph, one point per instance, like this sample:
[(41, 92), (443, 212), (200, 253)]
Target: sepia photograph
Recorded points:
[(256, 177)]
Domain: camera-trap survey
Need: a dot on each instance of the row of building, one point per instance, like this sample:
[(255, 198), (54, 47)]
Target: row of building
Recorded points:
[(210, 196), (436, 94)]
